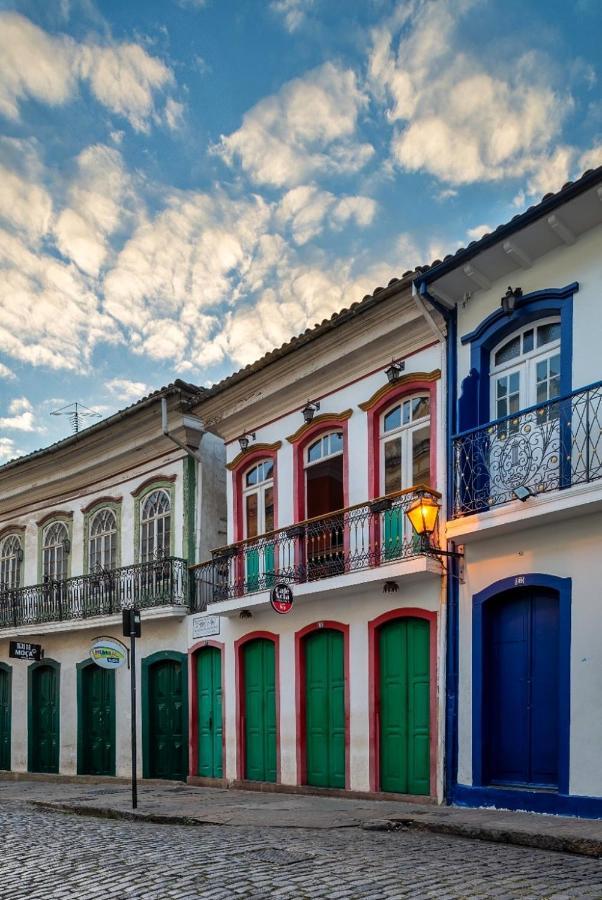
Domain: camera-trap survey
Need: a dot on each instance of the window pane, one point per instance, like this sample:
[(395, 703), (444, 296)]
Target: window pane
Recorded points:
[(421, 456), (548, 333), (268, 499), (252, 476), (315, 451), (268, 468), (251, 507), (393, 465), (502, 387), (336, 442), (508, 351), (528, 341), (392, 419), (514, 383), (420, 407), (406, 412)]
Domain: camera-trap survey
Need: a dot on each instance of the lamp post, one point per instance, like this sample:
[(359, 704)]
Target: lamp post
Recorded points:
[(423, 514)]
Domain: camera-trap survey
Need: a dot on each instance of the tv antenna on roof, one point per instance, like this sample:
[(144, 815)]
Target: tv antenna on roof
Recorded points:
[(76, 412)]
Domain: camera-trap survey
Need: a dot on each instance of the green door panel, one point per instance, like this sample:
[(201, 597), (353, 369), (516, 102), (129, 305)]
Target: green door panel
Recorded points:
[(259, 568), (5, 718), (209, 689), (325, 708), (393, 533), (168, 750), (405, 706), (260, 710), (44, 740), (97, 721)]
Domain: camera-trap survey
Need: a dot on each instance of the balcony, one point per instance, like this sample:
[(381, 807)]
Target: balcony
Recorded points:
[(161, 582), (548, 447), (360, 537)]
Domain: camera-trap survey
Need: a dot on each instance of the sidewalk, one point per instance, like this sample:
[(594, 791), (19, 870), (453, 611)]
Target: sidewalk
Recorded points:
[(171, 802)]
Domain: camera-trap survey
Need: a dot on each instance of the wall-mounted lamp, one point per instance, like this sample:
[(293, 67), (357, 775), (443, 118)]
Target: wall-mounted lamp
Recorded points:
[(244, 440), (423, 514), (309, 410), (509, 299), (394, 371), (522, 493), (67, 546)]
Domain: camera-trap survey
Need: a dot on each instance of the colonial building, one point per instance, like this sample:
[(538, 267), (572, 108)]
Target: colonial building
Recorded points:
[(524, 723), (106, 519), (330, 440)]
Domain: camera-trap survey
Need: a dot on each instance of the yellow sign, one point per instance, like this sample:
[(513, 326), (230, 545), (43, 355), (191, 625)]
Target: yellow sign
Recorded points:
[(108, 653)]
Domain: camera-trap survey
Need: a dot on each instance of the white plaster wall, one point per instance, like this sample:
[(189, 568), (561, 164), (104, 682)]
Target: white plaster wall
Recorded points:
[(211, 529), (570, 549), (355, 610)]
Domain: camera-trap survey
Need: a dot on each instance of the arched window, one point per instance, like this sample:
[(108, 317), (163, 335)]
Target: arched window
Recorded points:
[(405, 444), (102, 541), (258, 499), (55, 550), (155, 526), (11, 556), (324, 475), (525, 368)]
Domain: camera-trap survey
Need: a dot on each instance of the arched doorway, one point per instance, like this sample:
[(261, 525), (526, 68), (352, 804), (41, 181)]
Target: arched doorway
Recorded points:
[(95, 720), (209, 711), (165, 716), (5, 716), (258, 731), (521, 650), (323, 657), (44, 717)]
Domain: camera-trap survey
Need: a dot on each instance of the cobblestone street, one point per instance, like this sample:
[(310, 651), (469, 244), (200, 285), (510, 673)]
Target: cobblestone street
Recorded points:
[(52, 855)]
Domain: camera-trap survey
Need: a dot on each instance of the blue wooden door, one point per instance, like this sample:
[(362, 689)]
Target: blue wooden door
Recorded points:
[(521, 695)]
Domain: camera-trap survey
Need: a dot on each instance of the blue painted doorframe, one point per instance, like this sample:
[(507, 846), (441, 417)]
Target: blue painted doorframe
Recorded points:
[(562, 586)]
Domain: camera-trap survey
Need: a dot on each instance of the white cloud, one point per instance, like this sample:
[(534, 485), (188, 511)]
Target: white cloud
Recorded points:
[(7, 373), (8, 449), (591, 159), (21, 417), (48, 68), (293, 12), (308, 210), (126, 390), (478, 231), (306, 128), (25, 204)]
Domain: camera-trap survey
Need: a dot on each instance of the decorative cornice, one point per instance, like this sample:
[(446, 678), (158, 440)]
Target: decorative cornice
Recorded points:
[(100, 501), (406, 380), (266, 448), (154, 479), (60, 515), (12, 529), (323, 419)]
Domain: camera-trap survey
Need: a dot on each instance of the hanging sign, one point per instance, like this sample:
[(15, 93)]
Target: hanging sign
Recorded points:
[(108, 653), (205, 626), (20, 650), (281, 598)]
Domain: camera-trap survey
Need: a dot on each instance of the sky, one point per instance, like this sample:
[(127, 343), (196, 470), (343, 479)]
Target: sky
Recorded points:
[(185, 184)]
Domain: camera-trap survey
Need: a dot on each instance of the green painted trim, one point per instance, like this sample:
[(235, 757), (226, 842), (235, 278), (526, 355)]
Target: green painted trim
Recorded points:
[(145, 667), (167, 486), (80, 667), (116, 509), (68, 521), (189, 504), (4, 667), (30, 670)]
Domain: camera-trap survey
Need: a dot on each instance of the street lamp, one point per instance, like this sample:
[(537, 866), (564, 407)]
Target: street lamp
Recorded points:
[(423, 513), (509, 299), (394, 371), (309, 410), (244, 441)]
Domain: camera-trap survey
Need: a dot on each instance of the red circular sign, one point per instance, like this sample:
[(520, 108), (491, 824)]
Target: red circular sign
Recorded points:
[(282, 598)]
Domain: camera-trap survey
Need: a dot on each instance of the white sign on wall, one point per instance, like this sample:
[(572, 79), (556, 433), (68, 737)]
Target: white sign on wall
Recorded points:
[(108, 653), (205, 626)]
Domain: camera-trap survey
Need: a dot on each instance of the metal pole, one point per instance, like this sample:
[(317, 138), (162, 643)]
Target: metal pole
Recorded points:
[(133, 707)]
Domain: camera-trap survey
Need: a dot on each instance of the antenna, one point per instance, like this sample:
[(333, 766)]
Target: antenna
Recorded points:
[(75, 411)]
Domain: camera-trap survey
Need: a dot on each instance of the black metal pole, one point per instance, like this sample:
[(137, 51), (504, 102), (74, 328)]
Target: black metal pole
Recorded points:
[(133, 708)]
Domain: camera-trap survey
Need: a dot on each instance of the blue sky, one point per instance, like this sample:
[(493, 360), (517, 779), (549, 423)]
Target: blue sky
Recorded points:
[(184, 184)]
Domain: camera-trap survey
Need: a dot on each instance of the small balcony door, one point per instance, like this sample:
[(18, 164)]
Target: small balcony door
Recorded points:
[(259, 520), (325, 494)]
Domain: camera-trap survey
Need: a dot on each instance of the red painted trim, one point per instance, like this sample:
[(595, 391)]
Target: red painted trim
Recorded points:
[(374, 690), (240, 698), (299, 446), (300, 694), (340, 387), (251, 458), (193, 705), (398, 392)]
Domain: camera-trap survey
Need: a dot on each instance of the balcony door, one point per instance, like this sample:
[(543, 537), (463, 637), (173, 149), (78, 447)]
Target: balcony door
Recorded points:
[(325, 494), (258, 508), (525, 371)]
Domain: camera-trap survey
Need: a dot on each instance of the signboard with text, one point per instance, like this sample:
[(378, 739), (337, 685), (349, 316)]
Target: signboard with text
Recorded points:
[(205, 626), (21, 650), (108, 653), (281, 598)]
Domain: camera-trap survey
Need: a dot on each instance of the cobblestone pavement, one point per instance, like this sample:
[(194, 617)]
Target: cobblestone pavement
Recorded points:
[(51, 855)]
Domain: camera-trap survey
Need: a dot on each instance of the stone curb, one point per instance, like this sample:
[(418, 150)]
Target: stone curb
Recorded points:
[(500, 835)]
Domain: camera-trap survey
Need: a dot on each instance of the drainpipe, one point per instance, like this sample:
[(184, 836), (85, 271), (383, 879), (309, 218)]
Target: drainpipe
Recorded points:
[(451, 656), (193, 423)]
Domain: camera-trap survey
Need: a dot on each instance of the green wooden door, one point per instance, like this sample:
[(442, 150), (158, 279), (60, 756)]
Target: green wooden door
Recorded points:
[(325, 708), (260, 710), (5, 718), (44, 744), (209, 689), (167, 721), (405, 706), (97, 721)]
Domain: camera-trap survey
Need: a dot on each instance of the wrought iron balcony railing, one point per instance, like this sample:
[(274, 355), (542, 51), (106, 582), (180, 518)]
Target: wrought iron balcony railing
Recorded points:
[(547, 447), (359, 537), (160, 582)]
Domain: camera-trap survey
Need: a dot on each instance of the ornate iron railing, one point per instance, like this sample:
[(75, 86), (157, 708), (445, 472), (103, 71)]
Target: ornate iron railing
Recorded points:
[(547, 447), (160, 582), (359, 537)]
